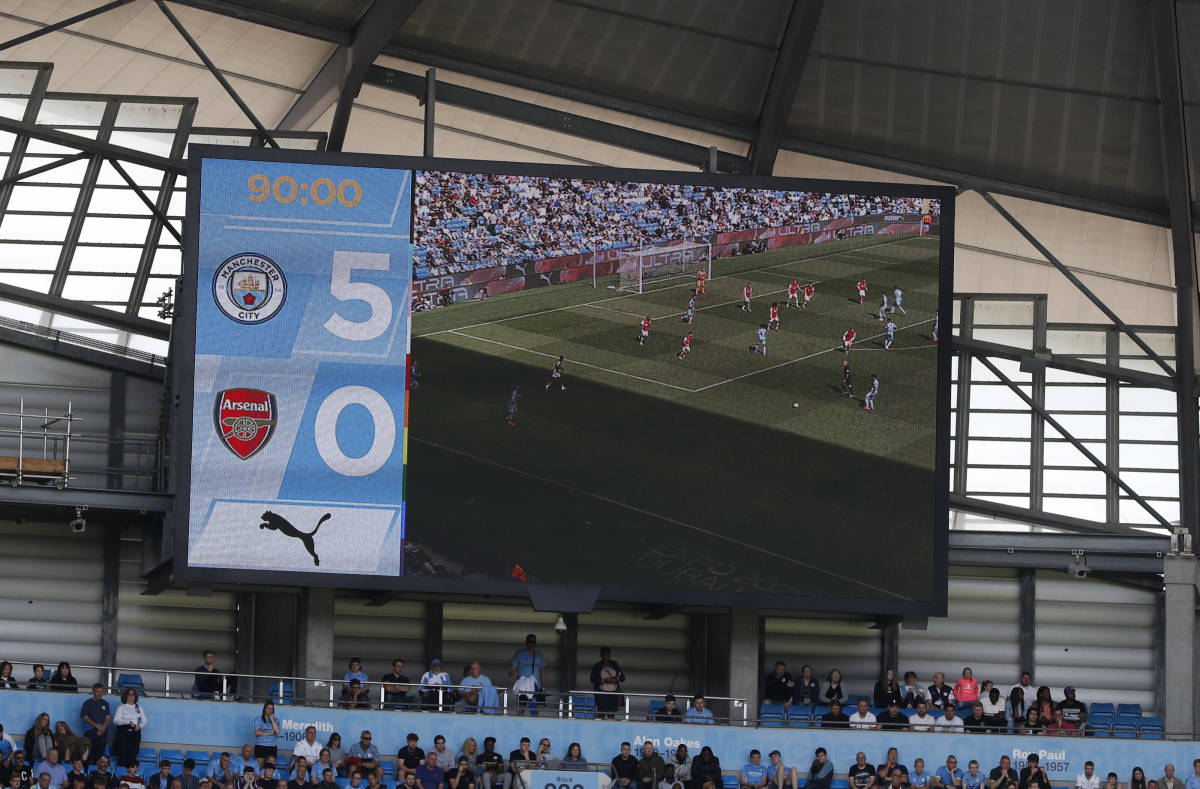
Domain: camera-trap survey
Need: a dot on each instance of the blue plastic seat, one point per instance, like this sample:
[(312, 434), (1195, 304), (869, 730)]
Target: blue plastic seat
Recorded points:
[(130, 681), (1124, 731), (583, 707), (283, 692), (839, 783), (389, 768), (820, 710), (774, 709), (729, 781), (1101, 722), (1127, 722), (147, 755), (1129, 709), (657, 706), (800, 712), (175, 757), (1151, 724), (770, 720), (1101, 708), (199, 757)]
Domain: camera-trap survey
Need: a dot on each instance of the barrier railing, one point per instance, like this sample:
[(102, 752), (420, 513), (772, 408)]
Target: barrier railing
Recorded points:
[(624, 699)]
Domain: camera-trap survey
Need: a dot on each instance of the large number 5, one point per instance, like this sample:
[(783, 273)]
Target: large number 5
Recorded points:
[(342, 289)]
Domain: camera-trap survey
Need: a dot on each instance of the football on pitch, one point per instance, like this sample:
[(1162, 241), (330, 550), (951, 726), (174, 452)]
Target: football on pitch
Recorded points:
[(795, 405)]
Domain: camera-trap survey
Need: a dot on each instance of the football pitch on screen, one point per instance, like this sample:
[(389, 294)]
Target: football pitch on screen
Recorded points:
[(721, 471)]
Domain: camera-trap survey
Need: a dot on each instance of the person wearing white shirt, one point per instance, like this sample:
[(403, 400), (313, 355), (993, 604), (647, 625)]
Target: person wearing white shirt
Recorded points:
[(430, 681), (129, 720), (309, 748), (950, 721), (1088, 778), (922, 721), (863, 718)]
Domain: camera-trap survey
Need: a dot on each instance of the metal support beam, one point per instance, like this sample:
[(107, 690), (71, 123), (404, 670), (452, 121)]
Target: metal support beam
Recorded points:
[(83, 311), (1070, 364), (1179, 660), (1131, 552), (80, 353), (267, 19), (1078, 283), (434, 621), (45, 168), (568, 653), (56, 26), (785, 81), (110, 587), (1026, 624), (546, 118), (1051, 520), (341, 78), (158, 213), (1179, 199), (216, 72), (430, 109), (117, 406), (99, 502), (1079, 445), (91, 146)]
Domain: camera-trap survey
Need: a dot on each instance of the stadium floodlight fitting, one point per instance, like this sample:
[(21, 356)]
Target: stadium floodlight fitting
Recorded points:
[(1078, 565), (79, 524), (561, 625)]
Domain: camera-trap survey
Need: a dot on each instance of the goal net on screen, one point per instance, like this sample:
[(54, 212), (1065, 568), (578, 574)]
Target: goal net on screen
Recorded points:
[(639, 269)]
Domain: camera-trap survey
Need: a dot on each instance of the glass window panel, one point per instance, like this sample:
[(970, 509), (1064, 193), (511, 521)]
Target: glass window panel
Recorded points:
[(219, 138), (146, 177), (23, 312), (86, 328), (34, 228), (105, 259), (998, 480), (28, 197), (106, 230), (97, 289), (1012, 501), (1074, 481), (120, 201), (1015, 338), (1153, 483), (38, 282), (1162, 456), (1132, 512), (157, 144), (149, 116), (54, 112), (997, 396), (148, 344), (1148, 427), (1004, 313), (1144, 365), (156, 286), (42, 257), (953, 449), (166, 262), (1163, 344), (15, 79), (66, 174), (1133, 398), (12, 107), (1081, 426), (1061, 453), (998, 452), (297, 143), (1076, 398), (953, 397), (1075, 343), (1064, 377), (178, 204), (999, 425), (1010, 368), (1090, 509), (956, 312), (48, 149)]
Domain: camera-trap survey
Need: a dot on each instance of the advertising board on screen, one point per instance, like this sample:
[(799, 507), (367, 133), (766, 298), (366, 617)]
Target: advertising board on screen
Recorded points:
[(464, 377)]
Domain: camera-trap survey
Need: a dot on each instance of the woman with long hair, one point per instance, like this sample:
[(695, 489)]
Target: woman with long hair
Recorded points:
[(336, 754), (1045, 706), (470, 749), (266, 735), (6, 678), (129, 719), (833, 687), (574, 755), (1138, 779), (39, 739), (63, 680), (70, 745), (1016, 709), (887, 689)]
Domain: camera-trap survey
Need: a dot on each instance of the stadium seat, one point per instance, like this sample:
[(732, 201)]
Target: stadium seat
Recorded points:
[(1129, 709), (1127, 722), (389, 768), (147, 756), (657, 706), (730, 781), (820, 710), (1151, 724), (130, 681), (199, 757), (839, 783), (175, 757), (583, 707), (1124, 731), (1101, 708), (283, 693), (778, 710), (770, 720), (1101, 722)]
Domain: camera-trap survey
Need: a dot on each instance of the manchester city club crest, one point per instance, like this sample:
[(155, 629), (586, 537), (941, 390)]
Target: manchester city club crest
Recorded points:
[(245, 420), (249, 288)]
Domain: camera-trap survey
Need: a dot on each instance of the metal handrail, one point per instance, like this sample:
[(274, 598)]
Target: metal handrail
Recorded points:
[(734, 702)]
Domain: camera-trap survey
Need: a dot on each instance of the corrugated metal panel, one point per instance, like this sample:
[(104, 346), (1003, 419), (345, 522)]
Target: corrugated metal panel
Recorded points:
[(1097, 636), (491, 634), (377, 635), (653, 653), (852, 647), (50, 611), (170, 630), (981, 630)]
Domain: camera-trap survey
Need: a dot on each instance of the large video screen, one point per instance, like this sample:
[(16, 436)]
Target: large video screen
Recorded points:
[(467, 377)]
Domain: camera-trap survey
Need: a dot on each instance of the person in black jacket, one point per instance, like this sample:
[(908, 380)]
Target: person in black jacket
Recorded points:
[(777, 689), (806, 690), (1033, 776), (63, 679), (706, 769), (606, 681), (887, 690)]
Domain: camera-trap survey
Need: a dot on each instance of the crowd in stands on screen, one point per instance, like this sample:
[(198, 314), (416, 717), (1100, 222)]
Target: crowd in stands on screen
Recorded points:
[(483, 221)]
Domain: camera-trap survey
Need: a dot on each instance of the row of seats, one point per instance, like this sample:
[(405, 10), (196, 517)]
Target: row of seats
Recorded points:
[(283, 692)]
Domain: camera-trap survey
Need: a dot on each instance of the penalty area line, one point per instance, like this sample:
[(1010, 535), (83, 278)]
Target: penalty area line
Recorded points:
[(664, 518)]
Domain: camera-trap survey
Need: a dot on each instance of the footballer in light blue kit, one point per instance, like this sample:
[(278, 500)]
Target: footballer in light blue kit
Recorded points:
[(897, 298), (690, 313), (762, 341), (872, 393), (883, 305), (890, 337)]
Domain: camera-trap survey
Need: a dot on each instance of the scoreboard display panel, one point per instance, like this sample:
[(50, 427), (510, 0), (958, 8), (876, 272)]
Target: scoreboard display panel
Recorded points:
[(465, 377)]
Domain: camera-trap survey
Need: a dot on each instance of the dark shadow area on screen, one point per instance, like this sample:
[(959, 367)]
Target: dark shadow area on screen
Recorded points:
[(603, 485)]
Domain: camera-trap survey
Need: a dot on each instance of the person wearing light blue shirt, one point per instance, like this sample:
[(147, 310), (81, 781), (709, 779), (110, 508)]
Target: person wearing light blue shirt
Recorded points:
[(974, 778), (355, 672), (486, 698), (1193, 780), (918, 778), (52, 766), (754, 773), (698, 713), (949, 776), (527, 666), (266, 734)]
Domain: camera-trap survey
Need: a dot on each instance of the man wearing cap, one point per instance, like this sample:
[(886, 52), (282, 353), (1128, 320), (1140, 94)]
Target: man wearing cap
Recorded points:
[(1071, 706), (430, 681), (527, 668)]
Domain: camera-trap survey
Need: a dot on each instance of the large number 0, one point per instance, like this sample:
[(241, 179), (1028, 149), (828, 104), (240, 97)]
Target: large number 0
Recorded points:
[(326, 431), (343, 289)]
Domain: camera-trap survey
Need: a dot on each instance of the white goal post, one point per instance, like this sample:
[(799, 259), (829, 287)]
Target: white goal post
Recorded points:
[(637, 268)]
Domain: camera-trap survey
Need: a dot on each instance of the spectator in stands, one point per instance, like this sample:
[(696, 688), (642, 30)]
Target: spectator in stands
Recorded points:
[(222, 774), (574, 756), (303, 776), (527, 670), (132, 776), (777, 687), (161, 779), (835, 718), (308, 747), (862, 773), (1016, 708), (1088, 778), (470, 749), (519, 760), (1033, 775), (328, 779), (820, 775), (779, 774), (1071, 706), (364, 755), (478, 691), (1032, 724), (44, 781), (919, 777), (188, 778), (207, 682), (336, 755), (204, 783), (974, 778), (975, 722), (268, 779), (439, 747), (950, 722), (1168, 780), (354, 696), (1060, 725), (706, 768), (651, 767), (1025, 684), (409, 757), (887, 690), (699, 712), (491, 763), (96, 718), (892, 718), (1193, 780), (433, 684), (993, 710), (833, 688), (71, 747), (17, 769), (754, 772), (966, 689), (1082, 728), (39, 739), (606, 678), (355, 672), (948, 776), (669, 780), (1045, 706), (324, 762), (266, 735), (77, 771), (912, 692), (461, 776), (397, 688), (806, 690), (670, 712), (682, 762), (63, 680), (356, 779), (624, 769), (891, 762), (102, 770), (863, 718), (922, 720), (37, 681), (1112, 782), (373, 782), (8, 746), (1137, 780), (941, 695), (7, 680), (243, 760)]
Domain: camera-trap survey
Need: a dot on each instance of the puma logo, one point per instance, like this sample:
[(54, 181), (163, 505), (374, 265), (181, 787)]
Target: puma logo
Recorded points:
[(282, 525)]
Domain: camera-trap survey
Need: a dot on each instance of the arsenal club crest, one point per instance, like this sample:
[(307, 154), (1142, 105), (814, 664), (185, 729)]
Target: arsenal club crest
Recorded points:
[(249, 288), (245, 420)]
